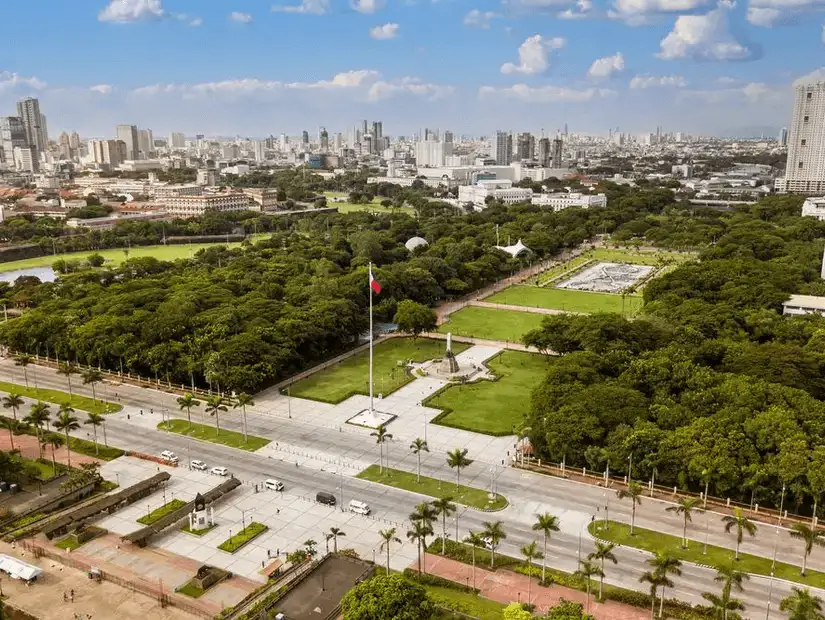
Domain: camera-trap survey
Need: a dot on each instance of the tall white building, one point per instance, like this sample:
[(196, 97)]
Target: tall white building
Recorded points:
[(29, 112), (259, 148), (177, 140), (128, 134), (25, 159), (432, 153), (146, 143), (501, 148), (805, 170), (109, 152)]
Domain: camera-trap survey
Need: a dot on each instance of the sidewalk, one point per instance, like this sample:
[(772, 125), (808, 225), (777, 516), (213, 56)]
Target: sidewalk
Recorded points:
[(506, 586), (27, 444)]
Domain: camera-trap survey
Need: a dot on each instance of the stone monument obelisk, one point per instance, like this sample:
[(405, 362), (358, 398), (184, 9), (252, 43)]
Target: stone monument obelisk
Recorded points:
[(449, 365)]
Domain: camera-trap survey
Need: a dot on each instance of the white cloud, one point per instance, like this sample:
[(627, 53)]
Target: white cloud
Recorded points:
[(818, 75), (242, 18), (125, 11), (533, 55), (367, 6), (757, 93), (607, 66), (479, 19), (384, 32), (704, 37), (726, 80), (194, 22), (9, 80), (103, 89), (408, 86), (637, 12), (309, 7), (769, 13), (653, 81), (583, 8), (543, 94)]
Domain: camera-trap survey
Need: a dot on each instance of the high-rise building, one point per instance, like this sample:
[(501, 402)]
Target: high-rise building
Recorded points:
[(29, 112), (805, 170), (74, 141), (544, 152), (259, 148), (323, 139), (364, 128), (338, 141), (501, 148), (557, 153), (26, 159), (305, 138), (146, 143), (783, 137), (448, 136), (282, 141), (108, 152), (432, 153), (44, 131), (128, 134), (526, 146), (377, 136), (177, 140), (12, 135)]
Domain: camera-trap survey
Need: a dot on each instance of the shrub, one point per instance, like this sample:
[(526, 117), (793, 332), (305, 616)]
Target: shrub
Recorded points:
[(435, 580)]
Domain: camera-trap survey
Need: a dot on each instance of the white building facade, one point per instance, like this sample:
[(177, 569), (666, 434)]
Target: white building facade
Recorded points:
[(565, 201), (805, 170), (814, 207), (191, 206)]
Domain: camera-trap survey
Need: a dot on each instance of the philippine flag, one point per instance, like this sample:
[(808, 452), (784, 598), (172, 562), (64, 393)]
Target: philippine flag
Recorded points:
[(374, 283)]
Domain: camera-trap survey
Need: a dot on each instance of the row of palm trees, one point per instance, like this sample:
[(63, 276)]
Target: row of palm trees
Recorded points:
[(90, 376), (213, 407)]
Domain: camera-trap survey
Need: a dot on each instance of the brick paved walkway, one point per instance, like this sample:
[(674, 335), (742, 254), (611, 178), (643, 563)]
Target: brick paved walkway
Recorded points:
[(27, 444), (506, 586)]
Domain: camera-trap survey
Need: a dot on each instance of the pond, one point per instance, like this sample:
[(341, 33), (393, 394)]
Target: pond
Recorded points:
[(46, 274)]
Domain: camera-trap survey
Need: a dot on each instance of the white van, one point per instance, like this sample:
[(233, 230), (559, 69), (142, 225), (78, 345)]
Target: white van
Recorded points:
[(274, 485), (168, 455), (359, 507)]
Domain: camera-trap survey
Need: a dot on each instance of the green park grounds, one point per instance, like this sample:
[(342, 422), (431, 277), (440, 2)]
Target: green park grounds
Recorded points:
[(567, 300), (492, 324), (56, 397), (350, 207), (211, 433)]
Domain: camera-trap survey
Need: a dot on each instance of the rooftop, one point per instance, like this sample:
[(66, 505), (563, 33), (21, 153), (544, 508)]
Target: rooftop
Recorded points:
[(806, 301)]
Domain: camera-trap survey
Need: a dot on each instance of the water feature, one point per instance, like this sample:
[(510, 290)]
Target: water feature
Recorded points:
[(46, 274)]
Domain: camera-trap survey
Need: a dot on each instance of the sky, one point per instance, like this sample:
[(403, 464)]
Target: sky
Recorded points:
[(260, 67)]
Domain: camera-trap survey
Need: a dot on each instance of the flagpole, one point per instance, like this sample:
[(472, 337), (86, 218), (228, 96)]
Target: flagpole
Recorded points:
[(370, 287)]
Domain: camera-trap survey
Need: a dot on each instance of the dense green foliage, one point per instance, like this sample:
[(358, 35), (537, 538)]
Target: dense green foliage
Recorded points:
[(387, 596)]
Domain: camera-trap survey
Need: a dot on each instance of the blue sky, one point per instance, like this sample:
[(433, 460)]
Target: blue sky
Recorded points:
[(255, 67)]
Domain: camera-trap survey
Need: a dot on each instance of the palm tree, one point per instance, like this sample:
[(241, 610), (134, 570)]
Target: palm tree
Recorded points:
[(68, 369), (802, 606), (39, 414), (810, 537), (664, 565), (546, 523), (424, 512), (334, 533), (388, 537), (530, 553), (11, 426), (731, 579), (418, 446), (55, 441), (23, 360), (604, 551), (742, 524), (66, 422), (444, 506), (13, 401), (494, 532), (724, 608), (634, 492), (654, 580), (95, 419), (457, 459), (214, 405), (684, 507), (244, 400), (588, 570), (474, 539), (418, 534), (381, 435), (187, 401), (90, 377)]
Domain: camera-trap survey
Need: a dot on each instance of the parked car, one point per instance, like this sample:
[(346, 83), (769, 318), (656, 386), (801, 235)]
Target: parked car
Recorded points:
[(325, 497), (274, 485), (199, 465), (168, 455), (359, 507), (488, 542), (220, 471)]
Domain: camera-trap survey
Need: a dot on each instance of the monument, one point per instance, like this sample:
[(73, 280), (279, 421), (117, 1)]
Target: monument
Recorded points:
[(449, 365), (198, 518)]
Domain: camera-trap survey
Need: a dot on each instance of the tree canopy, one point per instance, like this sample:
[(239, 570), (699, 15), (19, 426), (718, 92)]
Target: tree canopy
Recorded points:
[(387, 596)]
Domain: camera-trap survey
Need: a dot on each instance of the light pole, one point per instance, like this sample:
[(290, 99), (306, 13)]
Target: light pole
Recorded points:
[(770, 596), (630, 469), (781, 504), (288, 403), (707, 531), (706, 475), (652, 481)]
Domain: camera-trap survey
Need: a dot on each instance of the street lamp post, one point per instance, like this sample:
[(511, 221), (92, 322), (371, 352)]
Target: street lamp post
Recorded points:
[(707, 531), (630, 469), (288, 403), (706, 474), (781, 504), (770, 596)]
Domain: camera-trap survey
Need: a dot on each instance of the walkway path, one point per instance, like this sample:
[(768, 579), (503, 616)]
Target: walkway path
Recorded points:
[(506, 586), (533, 309), (27, 444)]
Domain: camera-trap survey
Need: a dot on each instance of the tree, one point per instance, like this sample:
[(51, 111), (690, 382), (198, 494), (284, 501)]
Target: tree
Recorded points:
[(66, 422), (414, 318), (243, 400), (684, 507), (381, 435), (418, 534), (11, 426), (588, 570), (494, 533), (567, 610), (731, 579), (457, 459), (91, 377), (309, 547), (55, 441), (665, 565), (634, 493), (95, 419), (418, 446), (724, 608), (387, 596), (39, 415), (742, 524), (387, 538), (334, 533), (474, 539), (187, 401), (546, 523), (214, 406), (515, 611), (95, 260), (654, 579), (23, 360), (809, 537), (444, 507), (604, 551), (67, 369), (802, 605), (530, 553), (13, 401)]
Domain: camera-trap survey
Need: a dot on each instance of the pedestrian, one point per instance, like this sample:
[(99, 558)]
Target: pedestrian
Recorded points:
[(263, 563), (278, 552), (65, 596), (268, 554), (278, 511)]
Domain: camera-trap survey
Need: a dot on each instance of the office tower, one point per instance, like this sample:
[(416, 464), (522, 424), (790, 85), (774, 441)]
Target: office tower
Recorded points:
[(305, 138), (544, 152), (230, 151), (128, 134), (364, 128), (501, 148), (282, 141), (12, 135), (259, 148), (74, 141), (352, 137), (525, 147), (44, 131), (366, 144), (448, 136), (26, 159), (177, 140), (338, 141), (377, 136), (557, 153), (108, 152), (805, 170), (565, 129), (323, 139), (29, 112), (146, 143), (432, 153), (783, 137)]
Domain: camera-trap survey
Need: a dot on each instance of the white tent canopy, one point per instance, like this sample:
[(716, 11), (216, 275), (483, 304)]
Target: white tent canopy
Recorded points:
[(514, 250), (18, 569)]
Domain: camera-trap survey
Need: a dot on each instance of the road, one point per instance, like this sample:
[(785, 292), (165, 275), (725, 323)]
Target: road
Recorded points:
[(317, 448)]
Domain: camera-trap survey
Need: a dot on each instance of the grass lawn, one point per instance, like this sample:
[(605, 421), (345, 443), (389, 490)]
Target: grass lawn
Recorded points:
[(238, 540), (158, 514), (507, 325), (104, 453), (83, 403), (569, 300), (200, 532), (191, 590), (210, 433), (492, 407), (465, 602), (716, 556), (46, 468), (69, 543), (545, 277), (339, 382), (433, 487), (656, 259)]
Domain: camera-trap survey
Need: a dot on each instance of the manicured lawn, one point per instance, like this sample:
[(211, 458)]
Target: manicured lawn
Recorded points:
[(210, 433), (191, 590), (69, 543), (350, 207), (157, 514), (716, 556), (433, 487), (465, 602), (569, 300), (493, 407), (507, 325), (104, 453), (238, 540), (83, 403), (200, 532), (551, 274), (46, 468), (658, 258), (350, 377)]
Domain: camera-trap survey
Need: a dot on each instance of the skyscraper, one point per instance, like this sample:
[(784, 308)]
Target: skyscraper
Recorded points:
[(805, 170), (74, 141), (783, 137), (526, 146), (305, 138), (29, 112), (259, 149), (501, 148), (177, 140), (323, 139), (12, 134), (557, 153), (146, 143), (544, 152), (128, 134)]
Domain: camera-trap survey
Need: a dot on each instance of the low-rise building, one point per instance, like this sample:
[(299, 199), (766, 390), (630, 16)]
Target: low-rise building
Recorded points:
[(265, 198), (563, 200), (191, 206), (804, 304), (162, 192), (498, 189), (105, 223), (814, 207)]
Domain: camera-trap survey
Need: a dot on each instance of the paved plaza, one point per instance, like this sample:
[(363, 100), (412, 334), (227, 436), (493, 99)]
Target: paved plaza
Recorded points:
[(607, 277)]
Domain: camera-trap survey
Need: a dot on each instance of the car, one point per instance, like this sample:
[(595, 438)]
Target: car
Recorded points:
[(199, 465), (488, 542), (359, 507), (325, 497), (220, 471), (169, 456), (274, 485)]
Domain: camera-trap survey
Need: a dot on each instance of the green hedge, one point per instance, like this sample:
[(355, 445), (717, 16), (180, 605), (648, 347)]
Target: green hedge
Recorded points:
[(464, 553), (435, 580)]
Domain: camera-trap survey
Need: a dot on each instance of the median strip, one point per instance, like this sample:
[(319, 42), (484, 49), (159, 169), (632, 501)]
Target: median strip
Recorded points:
[(82, 403), (210, 433), (250, 532), (159, 513)]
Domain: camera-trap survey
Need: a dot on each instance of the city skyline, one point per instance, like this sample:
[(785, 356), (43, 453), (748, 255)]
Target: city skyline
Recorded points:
[(256, 69)]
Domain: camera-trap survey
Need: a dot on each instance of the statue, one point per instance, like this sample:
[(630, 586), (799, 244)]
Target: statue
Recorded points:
[(449, 364)]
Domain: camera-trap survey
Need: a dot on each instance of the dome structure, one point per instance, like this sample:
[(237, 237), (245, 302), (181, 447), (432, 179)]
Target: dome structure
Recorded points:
[(415, 242), (515, 250)]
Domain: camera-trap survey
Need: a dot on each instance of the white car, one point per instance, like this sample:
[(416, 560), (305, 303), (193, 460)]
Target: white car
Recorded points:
[(274, 485), (488, 542), (199, 465), (169, 456), (359, 507), (220, 471)]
